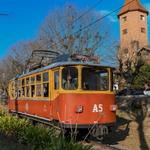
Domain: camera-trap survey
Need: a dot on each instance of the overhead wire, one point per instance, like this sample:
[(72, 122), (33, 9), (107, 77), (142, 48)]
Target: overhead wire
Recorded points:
[(97, 20), (86, 12), (101, 18)]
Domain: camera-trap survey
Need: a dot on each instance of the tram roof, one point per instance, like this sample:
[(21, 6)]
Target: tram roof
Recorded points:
[(58, 64)]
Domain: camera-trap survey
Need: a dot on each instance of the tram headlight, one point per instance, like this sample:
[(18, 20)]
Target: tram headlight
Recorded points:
[(113, 107), (79, 109)]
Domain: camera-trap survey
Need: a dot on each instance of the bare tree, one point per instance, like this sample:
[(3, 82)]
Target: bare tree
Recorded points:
[(129, 63), (14, 63), (65, 31)]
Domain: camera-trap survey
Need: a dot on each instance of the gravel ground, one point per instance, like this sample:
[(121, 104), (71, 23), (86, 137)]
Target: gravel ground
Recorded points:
[(132, 133), (136, 133)]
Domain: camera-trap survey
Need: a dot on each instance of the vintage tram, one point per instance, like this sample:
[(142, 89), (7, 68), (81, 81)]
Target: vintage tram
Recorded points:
[(75, 95)]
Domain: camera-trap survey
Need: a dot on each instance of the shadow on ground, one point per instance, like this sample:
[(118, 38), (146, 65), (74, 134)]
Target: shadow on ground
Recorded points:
[(136, 112), (120, 132)]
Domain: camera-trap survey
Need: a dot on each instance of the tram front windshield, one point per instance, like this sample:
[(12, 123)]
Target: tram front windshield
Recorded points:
[(92, 78), (95, 79), (70, 78)]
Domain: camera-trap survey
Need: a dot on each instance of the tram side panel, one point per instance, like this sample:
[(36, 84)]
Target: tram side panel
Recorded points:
[(86, 109)]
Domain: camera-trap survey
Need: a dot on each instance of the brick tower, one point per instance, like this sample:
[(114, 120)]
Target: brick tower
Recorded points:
[(133, 29)]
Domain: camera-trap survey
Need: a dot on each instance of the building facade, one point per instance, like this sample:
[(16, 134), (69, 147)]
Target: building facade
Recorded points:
[(133, 30)]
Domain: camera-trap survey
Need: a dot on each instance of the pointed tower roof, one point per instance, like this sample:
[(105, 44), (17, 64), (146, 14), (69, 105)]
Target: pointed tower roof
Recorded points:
[(132, 5)]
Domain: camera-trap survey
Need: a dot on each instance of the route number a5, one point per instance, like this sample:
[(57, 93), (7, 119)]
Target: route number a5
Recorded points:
[(98, 108)]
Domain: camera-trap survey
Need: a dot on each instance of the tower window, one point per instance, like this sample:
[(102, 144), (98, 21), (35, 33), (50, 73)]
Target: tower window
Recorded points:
[(125, 31), (125, 50), (135, 44), (124, 18), (143, 30), (142, 17)]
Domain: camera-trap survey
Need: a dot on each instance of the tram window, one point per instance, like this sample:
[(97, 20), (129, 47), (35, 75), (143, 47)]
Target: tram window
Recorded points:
[(104, 80), (38, 90), (95, 79), (45, 76), (45, 84), (23, 82), (16, 88), (38, 78), (13, 89), (23, 88), (56, 80), (27, 81), (27, 91), (19, 92), (45, 89), (32, 86), (23, 92), (19, 83), (70, 78), (32, 90), (19, 88), (32, 80)]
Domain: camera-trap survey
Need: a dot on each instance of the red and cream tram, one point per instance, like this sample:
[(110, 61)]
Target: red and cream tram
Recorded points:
[(71, 94)]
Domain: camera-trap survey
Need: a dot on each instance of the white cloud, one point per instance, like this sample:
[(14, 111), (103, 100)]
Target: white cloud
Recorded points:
[(112, 17)]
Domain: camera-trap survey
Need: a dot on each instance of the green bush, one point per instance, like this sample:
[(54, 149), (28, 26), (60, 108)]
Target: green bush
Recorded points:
[(142, 77), (36, 137)]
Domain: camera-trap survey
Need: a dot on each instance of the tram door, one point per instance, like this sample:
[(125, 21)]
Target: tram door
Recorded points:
[(55, 91), (15, 94)]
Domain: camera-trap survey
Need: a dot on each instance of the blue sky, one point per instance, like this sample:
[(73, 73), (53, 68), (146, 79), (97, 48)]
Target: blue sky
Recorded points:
[(26, 16)]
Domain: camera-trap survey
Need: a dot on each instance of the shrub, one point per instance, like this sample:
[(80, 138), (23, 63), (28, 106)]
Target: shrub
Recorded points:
[(36, 137)]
